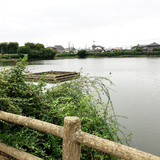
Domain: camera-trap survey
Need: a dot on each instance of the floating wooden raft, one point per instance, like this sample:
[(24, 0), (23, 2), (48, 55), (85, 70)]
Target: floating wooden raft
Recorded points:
[(53, 76)]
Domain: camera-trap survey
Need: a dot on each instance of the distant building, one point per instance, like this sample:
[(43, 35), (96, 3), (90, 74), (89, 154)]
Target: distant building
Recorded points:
[(116, 49), (71, 50), (97, 49), (149, 47), (59, 48), (108, 49)]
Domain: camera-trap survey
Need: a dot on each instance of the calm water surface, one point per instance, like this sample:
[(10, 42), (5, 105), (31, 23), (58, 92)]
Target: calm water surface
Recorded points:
[(137, 96)]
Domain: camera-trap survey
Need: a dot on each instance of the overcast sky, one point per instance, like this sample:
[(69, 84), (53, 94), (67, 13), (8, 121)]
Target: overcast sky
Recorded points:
[(110, 23)]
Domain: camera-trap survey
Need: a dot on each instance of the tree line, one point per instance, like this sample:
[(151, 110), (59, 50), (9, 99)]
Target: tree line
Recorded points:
[(34, 50), (9, 48)]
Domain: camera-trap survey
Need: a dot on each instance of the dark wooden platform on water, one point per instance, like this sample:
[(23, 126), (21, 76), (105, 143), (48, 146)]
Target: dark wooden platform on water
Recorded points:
[(53, 76)]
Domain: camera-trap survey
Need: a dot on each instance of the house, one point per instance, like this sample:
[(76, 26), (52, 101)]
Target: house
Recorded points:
[(149, 47), (98, 49), (116, 49), (71, 50), (152, 46), (59, 48), (108, 49)]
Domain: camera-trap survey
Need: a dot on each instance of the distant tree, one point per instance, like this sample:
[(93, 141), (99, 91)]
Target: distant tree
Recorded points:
[(43, 53), (82, 53), (23, 50), (4, 47), (31, 45), (93, 46), (12, 47), (138, 49), (48, 53), (134, 47), (39, 46)]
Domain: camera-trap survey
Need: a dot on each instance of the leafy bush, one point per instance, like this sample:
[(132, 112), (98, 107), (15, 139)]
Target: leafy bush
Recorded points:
[(82, 53), (10, 56), (23, 50), (138, 49), (43, 53), (156, 49), (48, 53), (80, 97), (34, 54)]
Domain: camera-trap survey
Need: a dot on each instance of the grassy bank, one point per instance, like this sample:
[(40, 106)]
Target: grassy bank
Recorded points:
[(4, 57)]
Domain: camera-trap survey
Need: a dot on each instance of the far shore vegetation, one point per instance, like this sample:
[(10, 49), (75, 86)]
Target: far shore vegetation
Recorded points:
[(13, 57), (12, 51)]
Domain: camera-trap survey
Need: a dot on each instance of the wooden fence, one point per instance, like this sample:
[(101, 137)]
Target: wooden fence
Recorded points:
[(73, 137)]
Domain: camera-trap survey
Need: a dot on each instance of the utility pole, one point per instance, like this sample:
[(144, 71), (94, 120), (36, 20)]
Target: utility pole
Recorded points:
[(69, 46), (93, 46)]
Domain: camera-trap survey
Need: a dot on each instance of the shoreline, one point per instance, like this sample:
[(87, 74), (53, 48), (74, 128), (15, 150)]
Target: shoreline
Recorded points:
[(88, 56)]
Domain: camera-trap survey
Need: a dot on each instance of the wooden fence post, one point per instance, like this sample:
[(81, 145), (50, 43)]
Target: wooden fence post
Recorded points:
[(71, 149)]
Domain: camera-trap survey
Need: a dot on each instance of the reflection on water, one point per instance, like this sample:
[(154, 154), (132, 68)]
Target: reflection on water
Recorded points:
[(137, 86), (6, 63)]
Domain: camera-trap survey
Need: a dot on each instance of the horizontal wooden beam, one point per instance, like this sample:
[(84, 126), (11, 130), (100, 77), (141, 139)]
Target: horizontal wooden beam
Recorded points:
[(112, 148), (16, 153), (81, 137), (33, 123)]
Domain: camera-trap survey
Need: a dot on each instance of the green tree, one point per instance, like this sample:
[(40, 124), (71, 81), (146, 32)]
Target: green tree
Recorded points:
[(82, 53), (4, 47), (43, 53), (48, 53), (23, 50), (12, 47), (138, 49), (93, 46), (39, 46), (31, 45)]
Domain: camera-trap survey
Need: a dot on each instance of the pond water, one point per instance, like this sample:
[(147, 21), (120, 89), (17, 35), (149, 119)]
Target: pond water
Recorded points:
[(136, 96)]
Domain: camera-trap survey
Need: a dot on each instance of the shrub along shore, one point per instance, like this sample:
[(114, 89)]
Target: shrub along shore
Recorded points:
[(4, 57), (80, 97)]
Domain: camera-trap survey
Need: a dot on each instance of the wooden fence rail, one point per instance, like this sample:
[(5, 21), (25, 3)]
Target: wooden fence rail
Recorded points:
[(73, 137)]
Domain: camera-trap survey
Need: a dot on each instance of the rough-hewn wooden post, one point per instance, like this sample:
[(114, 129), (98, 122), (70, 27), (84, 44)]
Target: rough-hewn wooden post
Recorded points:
[(71, 149)]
